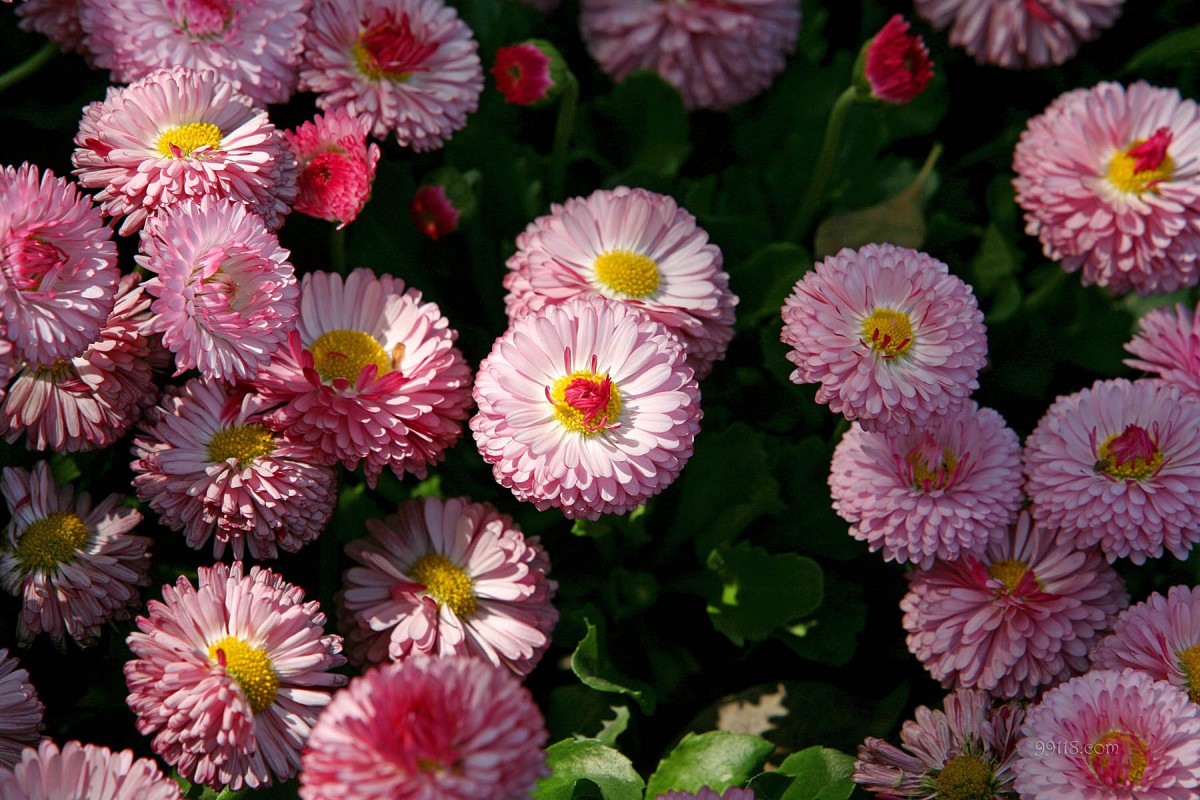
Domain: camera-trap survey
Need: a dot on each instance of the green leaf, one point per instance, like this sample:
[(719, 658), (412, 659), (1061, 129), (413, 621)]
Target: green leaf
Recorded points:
[(832, 637), (591, 664), (761, 591), (587, 764), (1176, 49), (614, 727), (716, 759), (648, 125), (820, 774), (766, 278)]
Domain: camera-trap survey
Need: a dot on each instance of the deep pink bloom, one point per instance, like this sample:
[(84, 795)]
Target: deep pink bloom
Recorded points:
[(230, 675), (896, 63), (1110, 734), (57, 20), (337, 166), (432, 211), (587, 406), (451, 728), (84, 771), (893, 338), (1119, 464), (1160, 637), (20, 711), (717, 54), (1018, 618), (1108, 182), (522, 73), (1168, 344)]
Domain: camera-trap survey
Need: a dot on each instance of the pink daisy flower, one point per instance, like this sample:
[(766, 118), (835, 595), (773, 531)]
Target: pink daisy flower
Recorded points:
[(895, 64), (1110, 734), (732, 793), (85, 771), (254, 46), (58, 265), (179, 135), (943, 492), (20, 711), (433, 212), (408, 66), (57, 20), (1020, 33), (75, 567), (446, 577), (337, 166), (1119, 464), (1019, 617), (893, 338), (90, 401), (1160, 637), (717, 54), (965, 751), (634, 246), (225, 293), (587, 406), (230, 675), (1109, 183), (210, 468), (452, 728), (370, 374), (525, 73), (1167, 344)]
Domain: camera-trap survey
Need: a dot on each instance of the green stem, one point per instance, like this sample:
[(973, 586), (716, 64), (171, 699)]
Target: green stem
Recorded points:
[(337, 250), (29, 66), (825, 161), (563, 129)]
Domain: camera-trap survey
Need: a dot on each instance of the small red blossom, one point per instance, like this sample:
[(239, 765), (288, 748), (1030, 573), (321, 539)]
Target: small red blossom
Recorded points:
[(337, 166), (523, 74), (896, 64), (433, 212)]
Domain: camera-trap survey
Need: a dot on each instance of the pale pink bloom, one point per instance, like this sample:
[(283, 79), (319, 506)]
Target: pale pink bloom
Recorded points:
[(370, 374), (588, 406), (1018, 618), (732, 793), (1167, 344), (225, 292), (1021, 33), (634, 246), (84, 771), (896, 65), (74, 567), (446, 577), (1109, 179), (1160, 637), (410, 67), (337, 166), (1108, 735), (57, 20), (90, 401), (453, 728), (210, 468), (1119, 464), (940, 493), (254, 45), (230, 675), (58, 265), (717, 54), (894, 340), (20, 711), (433, 212), (178, 135), (968, 747)]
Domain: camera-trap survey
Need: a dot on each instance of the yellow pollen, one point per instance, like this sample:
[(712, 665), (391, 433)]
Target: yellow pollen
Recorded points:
[(343, 353), (1119, 758), (1008, 571), (631, 274), (1189, 663), (55, 371), (966, 777), (189, 137), (250, 667), (935, 478), (581, 416), (244, 443), (1136, 468), (446, 582), (1122, 172), (887, 332), (51, 540)]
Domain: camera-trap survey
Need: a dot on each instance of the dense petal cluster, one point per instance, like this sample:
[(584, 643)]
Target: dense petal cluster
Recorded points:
[(1167, 344), (337, 166), (1160, 637), (20, 711), (57, 20), (523, 73), (85, 771), (896, 64)]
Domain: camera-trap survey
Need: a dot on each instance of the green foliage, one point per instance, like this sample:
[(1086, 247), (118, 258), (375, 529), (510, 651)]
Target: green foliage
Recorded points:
[(581, 767), (590, 662), (816, 773), (717, 760), (761, 591)]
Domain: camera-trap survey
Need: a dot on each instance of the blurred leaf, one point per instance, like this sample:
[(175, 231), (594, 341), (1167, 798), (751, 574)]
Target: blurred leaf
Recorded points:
[(832, 637), (1176, 49), (574, 760), (812, 526), (579, 712), (761, 591), (648, 124), (765, 279), (994, 270), (716, 759), (820, 774), (64, 469), (591, 664)]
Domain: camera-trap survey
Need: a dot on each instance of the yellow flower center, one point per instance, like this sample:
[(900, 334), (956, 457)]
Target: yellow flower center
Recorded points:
[(631, 274), (1129, 455), (250, 667), (966, 777), (887, 332), (1189, 663), (243, 443), (52, 540), (1008, 571), (343, 353), (1143, 164), (447, 583), (1119, 758), (585, 402), (181, 141)]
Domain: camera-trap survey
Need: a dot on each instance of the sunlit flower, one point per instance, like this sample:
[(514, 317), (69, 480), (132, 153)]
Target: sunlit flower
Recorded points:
[(85, 771), (895, 65), (20, 711), (1167, 344), (1160, 637), (337, 166)]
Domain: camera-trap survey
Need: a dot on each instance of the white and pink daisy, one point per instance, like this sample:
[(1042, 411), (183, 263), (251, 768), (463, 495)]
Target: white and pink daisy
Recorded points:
[(254, 46), (1119, 464), (179, 135), (1108, 735), (74, 566), (230, 675), (210, 468), (20, 711), (57, 20), (894, 66), (1015, 619), (452, 728), (370, 374), (58, 265), (717, 54), (1167, 344), (225, 292), (940, 493), (445, 577), (588, 406), (1160, 637), (894, 340), (1021, 33), (45, 772), (1109, 179), (337, 166), (634, 246), (410, 67)]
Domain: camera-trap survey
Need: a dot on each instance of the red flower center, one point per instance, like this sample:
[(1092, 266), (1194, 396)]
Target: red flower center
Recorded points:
[(929, 466), (205, 18), (1132, 454), (389, 49), (28, 260)]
